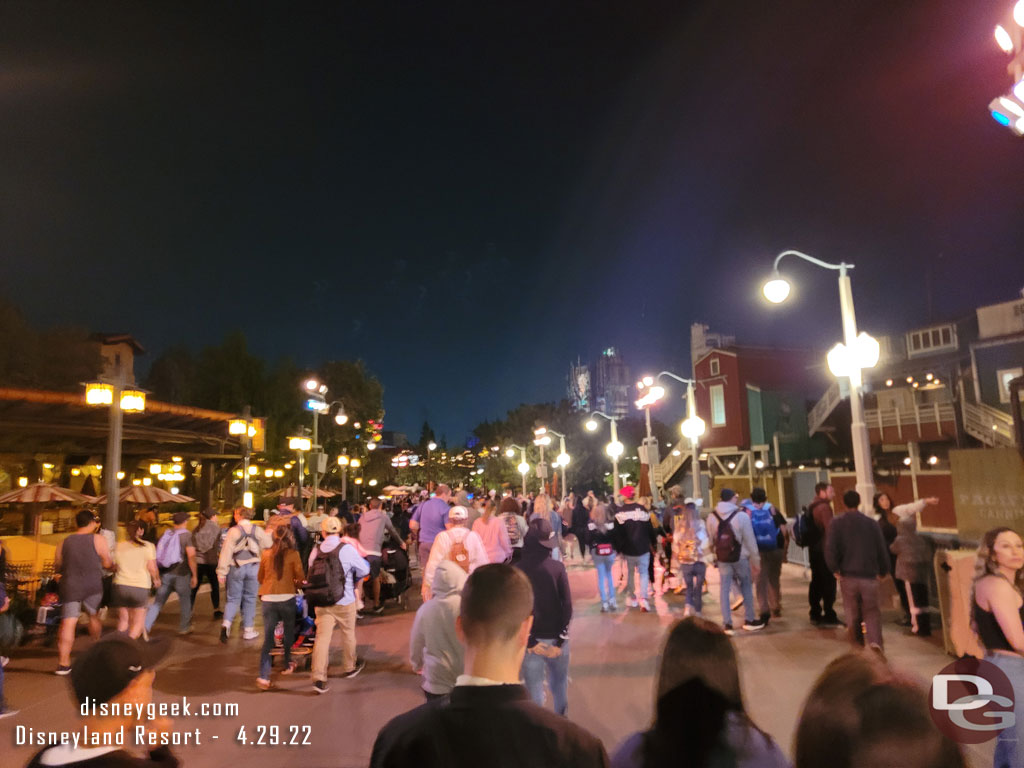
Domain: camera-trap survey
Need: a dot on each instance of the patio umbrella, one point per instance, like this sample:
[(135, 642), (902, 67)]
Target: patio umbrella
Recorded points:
[(44, 493), (307, 493), (147, 494)]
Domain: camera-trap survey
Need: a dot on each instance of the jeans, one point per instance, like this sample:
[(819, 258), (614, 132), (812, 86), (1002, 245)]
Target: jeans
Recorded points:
[(740, 571), (1010, 742), (209, 572), (274, 612), (557, 671), (821, 594), (860, 603), (605, 583), (769, 593), (326, 617), (242, 588), (639, 562), (693, 576), (170, 582)]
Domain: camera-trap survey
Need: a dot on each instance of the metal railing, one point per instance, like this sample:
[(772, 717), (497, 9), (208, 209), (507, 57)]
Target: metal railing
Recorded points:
[(824, 407), (989, 425), (909, 419)]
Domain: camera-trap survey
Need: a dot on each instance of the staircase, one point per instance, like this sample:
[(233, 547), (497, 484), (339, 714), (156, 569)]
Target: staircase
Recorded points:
[(823, 408), (989, 425), (670, 465)]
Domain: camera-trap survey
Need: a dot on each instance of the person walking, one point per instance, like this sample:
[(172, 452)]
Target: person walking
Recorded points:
[(914, 555), (690, 542), (547, 651), (855, 551), (279, 574), (737, 556), (579, 524), (79, 560), (206, 539), (772, 535), (456, 543), (544, 507), (137, 573), (821, 594), (428, 520), (372, 528), (635, 537), (600, 538), (176, 559), (434, 648), (997, 616), (493, 534), (511, 513), (238, 570)]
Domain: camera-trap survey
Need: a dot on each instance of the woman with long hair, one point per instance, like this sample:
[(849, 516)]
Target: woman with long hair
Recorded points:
[(700, 719), (136, 575), (544, 507), (601, 540), (861, 713), (889, 517), (279, 574), (690, 545), (491, 530), (997, 616)]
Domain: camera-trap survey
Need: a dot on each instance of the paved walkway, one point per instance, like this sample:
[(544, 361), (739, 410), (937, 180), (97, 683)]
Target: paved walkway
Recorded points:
[(614, 659)]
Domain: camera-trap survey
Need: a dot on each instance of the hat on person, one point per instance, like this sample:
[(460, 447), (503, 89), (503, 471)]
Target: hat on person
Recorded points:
[(209, 513), (689, 500), (540, 530), (330, 525), (627, 492), (458, 514), (727, 493), (109, 665), (179, 517), (509, 504), (286, 502)]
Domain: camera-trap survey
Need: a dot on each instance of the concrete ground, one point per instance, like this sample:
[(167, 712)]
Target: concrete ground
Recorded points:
[(614, 659)]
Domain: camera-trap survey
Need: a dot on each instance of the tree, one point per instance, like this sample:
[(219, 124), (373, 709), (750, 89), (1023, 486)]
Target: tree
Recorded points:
[(172, 377), (59, 358)]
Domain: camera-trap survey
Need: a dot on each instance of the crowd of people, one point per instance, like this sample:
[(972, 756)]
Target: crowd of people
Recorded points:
[(492, 636)]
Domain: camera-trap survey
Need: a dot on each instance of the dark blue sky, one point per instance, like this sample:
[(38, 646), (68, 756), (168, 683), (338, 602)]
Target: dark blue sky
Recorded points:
[(469, 195)]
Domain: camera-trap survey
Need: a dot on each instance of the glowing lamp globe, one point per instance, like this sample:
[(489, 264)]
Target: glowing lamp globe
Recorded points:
[(614, 449), (523, 467), (591, 425), (693, 427), (563, 460), (776, 290)]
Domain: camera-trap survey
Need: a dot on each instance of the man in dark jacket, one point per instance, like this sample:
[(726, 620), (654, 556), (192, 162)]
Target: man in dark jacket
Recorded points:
[(855, 551), (821, 594), (489, 719), (548, 647), (636, 539)]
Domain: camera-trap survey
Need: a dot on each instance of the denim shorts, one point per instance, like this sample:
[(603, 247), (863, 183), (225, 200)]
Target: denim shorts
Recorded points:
[(129, 597), (73, 608)]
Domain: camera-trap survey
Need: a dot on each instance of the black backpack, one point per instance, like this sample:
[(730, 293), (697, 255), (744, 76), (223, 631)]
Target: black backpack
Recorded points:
[(325, 584), (805, 530), (727, 546)]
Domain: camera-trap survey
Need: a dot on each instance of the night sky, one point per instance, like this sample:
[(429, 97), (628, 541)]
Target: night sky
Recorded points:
[(469, 195)]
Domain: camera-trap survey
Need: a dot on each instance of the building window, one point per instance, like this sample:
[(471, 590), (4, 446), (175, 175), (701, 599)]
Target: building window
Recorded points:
[(1005, 376), (930, 340), (714, 366), (717, 405)]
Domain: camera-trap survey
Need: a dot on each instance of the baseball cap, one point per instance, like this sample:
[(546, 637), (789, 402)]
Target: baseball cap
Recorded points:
[(540, 530), (727, 493), (180, 517), (627, 492), (331, 525), (689, 500), (458, 513), (110, 664)]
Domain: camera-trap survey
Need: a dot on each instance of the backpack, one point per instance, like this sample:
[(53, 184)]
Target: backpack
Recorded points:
[(248, 544), (276, 520), (458, 554), (805, 530), (170, 550), (207, 539), (727, 546), (765, 530), (325, 584), (687, 547)]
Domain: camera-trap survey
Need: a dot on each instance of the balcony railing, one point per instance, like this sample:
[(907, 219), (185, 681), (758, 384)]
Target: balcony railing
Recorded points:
[(908, 423), (989, 425)]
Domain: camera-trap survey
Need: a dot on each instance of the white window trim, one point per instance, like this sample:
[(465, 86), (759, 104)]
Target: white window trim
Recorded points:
[(714, 367), (711, 395), (1004, 391), (928, 348)]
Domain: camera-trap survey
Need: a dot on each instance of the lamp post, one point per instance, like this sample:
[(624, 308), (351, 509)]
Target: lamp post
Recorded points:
[(244, 428), (858, 351), (692, 427), (524, 465), (542, 439), (650, 393), (299, 444), (614, 449), (118, 398), (431, 447), (562, 460), (343, 462)]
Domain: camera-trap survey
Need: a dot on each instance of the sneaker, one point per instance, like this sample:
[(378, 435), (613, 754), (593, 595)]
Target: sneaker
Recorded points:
[(613, 606), (263, 684), (644, 607), (765, 617), (378, 610), (186, 631), (753, 626), (223, 634), (250, 633), (604, 607), (320, 686), (360, 615), (63, 670), (832, 620), (8, 713), (360, 663), (632, 602), (218, 614), (728, 630)]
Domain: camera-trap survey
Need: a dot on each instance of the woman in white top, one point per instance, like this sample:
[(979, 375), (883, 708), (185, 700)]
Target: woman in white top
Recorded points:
[(136, 575)]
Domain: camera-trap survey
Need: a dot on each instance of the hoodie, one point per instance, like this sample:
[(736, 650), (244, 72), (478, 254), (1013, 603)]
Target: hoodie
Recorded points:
[(434, 647), (633, 530), (741, 527)]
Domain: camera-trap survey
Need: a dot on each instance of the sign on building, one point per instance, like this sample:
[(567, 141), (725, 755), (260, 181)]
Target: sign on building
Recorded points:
[(988, 489)]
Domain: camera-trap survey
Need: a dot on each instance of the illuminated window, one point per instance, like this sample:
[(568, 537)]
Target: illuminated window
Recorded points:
[(717, 405), (930, 340), (1004, 377)]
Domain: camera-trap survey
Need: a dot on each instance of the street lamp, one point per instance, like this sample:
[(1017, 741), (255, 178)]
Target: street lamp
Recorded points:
[(431, 447), (650, 393), (614, 449), (1008, 109), (118, 398), (244, 429), (542, 439), (344, 462), (299, 444), (524, 465), (692, 427), (845, 360), (562, 460)]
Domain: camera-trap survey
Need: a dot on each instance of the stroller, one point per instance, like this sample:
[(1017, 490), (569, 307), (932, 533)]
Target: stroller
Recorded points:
[(49, 612), (395, 575)]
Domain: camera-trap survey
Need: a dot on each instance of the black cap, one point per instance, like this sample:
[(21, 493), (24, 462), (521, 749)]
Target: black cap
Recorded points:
[(540, 530), (209, 513), (727, 493), (179, 517), (110, 664)]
